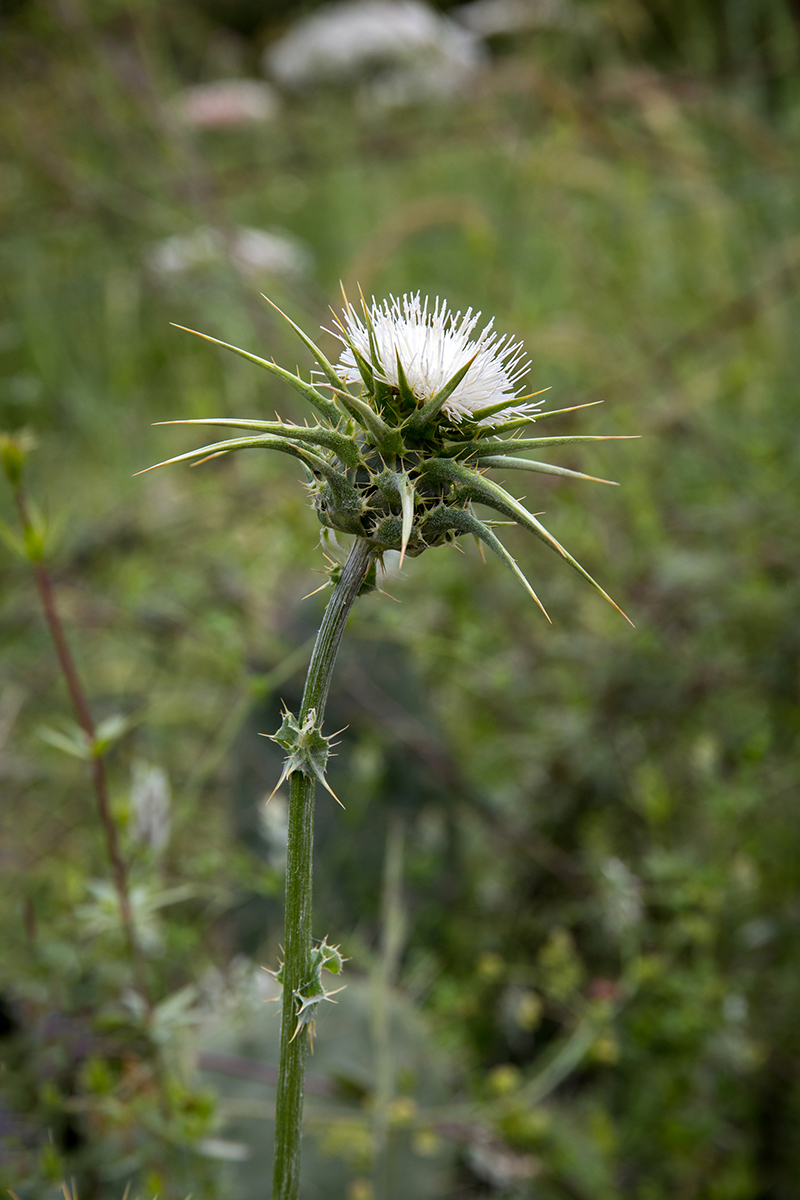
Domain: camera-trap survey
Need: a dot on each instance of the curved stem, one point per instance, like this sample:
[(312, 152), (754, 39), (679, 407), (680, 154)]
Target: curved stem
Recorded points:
[(297, 942)]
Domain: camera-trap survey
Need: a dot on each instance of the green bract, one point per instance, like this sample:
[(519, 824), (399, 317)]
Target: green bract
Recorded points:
[(396, 464), (310, 995)]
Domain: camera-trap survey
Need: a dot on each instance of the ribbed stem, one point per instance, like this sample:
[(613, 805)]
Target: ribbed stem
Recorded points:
[(297, 939)]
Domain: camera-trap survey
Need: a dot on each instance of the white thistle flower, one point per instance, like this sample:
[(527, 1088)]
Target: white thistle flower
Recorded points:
[(432, 346), (401, 464), (250, 251)]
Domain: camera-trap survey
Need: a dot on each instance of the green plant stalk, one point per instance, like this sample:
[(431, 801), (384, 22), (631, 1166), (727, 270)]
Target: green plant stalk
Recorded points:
[(297, 939), (83, 715)]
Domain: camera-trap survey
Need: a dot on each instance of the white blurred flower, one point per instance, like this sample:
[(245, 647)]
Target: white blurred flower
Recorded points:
[(404, 49), (488, 18), (622, 896), (251, 251), (432, 346), (183, 252), (500, 1166), (256, 250), (151, 801), (226, 104), (273, 817), (224, 1149), (734, 1008)]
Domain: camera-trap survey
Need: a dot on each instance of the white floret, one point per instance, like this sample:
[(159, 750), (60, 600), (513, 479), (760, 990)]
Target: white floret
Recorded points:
[(433, 345)]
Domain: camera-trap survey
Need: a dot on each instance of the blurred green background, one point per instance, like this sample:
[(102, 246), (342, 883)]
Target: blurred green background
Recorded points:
[(568, 873)]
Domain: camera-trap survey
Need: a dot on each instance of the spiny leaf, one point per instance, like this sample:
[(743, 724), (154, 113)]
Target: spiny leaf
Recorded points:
[(364, 369), (527, 464), (507, 426), (503, 502), (346, 402), (327, 368), (377, 365), (431, 408), (324, 406), (481, 414), (308, 457), (491, 446), (386, 437), (466, 522), (484, 490), (343, 446), (381, 388), (367, 371), (215, 448), (320, 777)]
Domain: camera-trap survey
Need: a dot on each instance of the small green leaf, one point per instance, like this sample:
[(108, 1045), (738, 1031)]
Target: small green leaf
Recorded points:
[(178, 1011), (110, 730), (71, 740), (33, 537), (330, 957), (13, 540)]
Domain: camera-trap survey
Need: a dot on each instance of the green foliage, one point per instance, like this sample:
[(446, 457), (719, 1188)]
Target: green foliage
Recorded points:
[(600, 961)]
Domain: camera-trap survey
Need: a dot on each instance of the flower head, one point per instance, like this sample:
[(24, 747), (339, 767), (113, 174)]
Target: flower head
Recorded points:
[(394, 52), (432, 345), (401, 459)]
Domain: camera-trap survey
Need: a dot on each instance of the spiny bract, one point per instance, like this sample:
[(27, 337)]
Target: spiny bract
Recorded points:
[(401, 460)]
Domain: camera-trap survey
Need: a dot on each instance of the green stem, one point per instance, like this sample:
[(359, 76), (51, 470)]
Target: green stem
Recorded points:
[(297, 941)]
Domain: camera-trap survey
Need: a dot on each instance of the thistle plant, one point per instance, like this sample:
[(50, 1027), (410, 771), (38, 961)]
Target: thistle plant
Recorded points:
[(419, 407)]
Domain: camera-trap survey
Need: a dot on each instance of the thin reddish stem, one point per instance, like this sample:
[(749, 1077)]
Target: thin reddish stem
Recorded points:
[(80, 704)]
